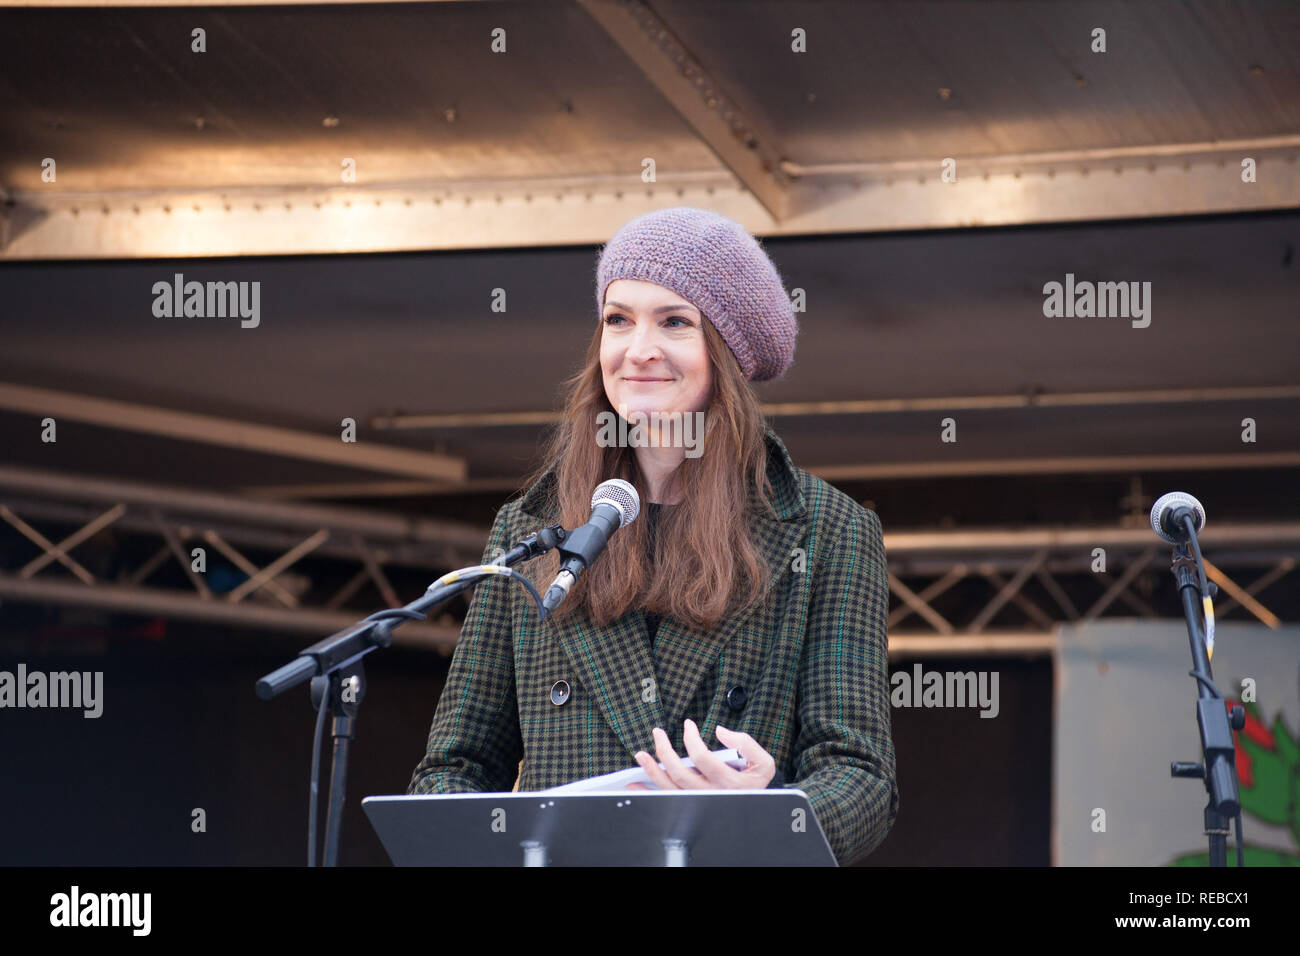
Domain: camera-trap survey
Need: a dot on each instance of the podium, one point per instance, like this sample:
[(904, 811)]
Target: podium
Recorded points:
[(601, 828)]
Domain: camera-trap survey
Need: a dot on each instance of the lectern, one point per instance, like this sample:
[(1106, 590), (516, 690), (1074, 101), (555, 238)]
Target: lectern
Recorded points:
[(602, 828)]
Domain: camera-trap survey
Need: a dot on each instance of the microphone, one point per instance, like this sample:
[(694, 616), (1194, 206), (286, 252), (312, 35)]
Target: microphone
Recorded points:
[(1168, 512), (614, 504)]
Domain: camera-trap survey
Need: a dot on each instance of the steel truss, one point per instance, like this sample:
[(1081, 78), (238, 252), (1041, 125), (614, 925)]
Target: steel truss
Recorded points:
[(271, 596), (1005, 562)]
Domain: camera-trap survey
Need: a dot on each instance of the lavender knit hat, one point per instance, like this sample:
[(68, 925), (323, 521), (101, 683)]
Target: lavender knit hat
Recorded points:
[(720, 269)]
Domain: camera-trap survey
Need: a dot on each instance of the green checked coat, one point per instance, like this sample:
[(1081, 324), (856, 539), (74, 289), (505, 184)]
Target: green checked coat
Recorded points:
[(812, 662)]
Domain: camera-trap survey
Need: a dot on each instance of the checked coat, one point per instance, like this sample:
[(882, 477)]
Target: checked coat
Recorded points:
[(811, 662)]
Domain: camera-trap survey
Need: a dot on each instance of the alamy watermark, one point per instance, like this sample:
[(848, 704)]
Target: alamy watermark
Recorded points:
[(76, 908), (946, 689), (651, 430), (75, 689), (198, 300), (1085, 300)]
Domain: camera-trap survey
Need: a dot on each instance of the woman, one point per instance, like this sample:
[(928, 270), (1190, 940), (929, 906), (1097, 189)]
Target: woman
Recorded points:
[(745, 608)]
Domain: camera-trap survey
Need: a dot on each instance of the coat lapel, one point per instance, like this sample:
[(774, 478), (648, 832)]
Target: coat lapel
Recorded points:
[(614, 664), (636, 690)]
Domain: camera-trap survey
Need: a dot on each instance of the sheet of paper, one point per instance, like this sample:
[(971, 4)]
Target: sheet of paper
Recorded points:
[(621, 778)]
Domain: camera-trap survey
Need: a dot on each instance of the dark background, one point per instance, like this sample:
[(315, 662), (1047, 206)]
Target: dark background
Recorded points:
[(182, 728)]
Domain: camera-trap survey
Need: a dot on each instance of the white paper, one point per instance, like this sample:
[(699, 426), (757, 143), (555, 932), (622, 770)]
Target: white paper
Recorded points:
[(619, 779)]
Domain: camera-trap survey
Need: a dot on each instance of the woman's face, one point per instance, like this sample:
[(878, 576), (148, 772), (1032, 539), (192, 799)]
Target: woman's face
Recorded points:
[(652, 352)]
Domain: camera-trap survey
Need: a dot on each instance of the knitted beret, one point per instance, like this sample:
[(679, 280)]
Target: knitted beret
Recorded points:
[(720, 269)]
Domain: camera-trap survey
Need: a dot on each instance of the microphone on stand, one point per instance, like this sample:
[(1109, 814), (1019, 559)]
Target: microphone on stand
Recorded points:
[(614, 504), (1178, 518), (1169, 521), (1168, 512)]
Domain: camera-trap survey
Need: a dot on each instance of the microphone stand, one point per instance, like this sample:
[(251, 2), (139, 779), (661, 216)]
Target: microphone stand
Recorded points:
[(1219, 769), (324, 664)]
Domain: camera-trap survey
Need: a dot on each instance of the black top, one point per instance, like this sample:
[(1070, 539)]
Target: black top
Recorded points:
[(652, 516)]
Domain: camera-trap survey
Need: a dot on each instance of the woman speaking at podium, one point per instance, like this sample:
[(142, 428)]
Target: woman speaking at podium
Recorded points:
[(745, 608)]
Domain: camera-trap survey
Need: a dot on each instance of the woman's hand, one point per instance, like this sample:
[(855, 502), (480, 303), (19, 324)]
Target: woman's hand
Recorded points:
[(710, 773)]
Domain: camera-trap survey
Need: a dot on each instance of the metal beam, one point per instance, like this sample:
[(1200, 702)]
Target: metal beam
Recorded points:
[(177, 604), (378, 489), (1164, 179), (1149, 181), (1014, 589), (428, 554), (1027, 539), (1029, 644), (1118, 586), (1074, 561), (46, 545), (383, 529), (1080, 159), (918, 602), (376, 572), (183, 559), (1241, 597), (228, 433), (890, 406), (60, 550), (375, 525), (1008, 589), (1279, 570), (1098, 464), (977, 467), (315, 220), (1058, 594), (649, 42), (885, 406)]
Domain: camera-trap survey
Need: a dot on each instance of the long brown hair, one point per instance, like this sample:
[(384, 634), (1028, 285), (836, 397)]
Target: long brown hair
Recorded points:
[(707, 564)]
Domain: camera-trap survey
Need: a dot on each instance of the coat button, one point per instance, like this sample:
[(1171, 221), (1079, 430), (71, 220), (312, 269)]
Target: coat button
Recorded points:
[(736, 698), (559, 692)]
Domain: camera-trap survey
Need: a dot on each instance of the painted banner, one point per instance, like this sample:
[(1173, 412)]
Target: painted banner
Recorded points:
[(1126, 708)]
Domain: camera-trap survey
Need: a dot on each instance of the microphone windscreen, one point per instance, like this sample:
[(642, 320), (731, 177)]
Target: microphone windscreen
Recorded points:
[(621, 495), (1165, 504)]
